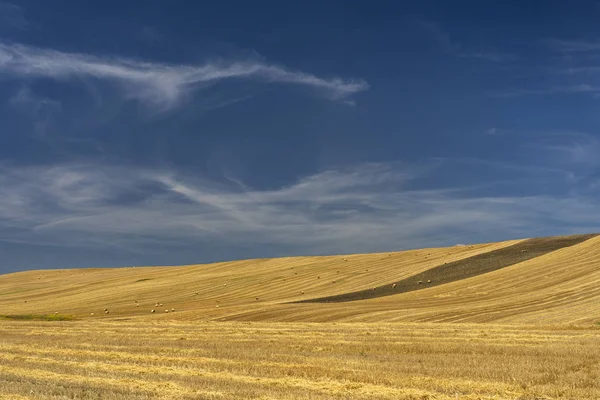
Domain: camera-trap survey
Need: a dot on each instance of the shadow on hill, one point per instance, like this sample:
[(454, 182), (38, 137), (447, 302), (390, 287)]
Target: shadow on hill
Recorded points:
[(462, 269)]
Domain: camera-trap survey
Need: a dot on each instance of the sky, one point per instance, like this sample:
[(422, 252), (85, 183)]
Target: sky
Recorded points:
[(169, 133)]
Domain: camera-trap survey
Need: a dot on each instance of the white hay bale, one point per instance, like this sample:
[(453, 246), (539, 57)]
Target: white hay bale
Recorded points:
[(152, 311)]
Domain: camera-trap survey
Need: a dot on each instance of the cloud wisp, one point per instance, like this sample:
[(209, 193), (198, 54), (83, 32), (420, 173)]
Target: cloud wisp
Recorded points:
[(573, 46), (361, 209), (159, 84)]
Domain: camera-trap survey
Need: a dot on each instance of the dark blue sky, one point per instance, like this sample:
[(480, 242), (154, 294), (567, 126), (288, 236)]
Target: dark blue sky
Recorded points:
[(147, 132)]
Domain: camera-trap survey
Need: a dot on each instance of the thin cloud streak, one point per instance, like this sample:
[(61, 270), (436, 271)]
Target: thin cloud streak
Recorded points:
[(359, 209), (161, 85), (583, 88), (573, 46)]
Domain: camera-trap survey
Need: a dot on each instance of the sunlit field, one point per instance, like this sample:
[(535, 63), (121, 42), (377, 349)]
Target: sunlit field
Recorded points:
[(206, 360), (429, 326)]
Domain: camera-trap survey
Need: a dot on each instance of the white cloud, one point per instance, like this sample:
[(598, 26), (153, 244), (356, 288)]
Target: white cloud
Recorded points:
[(571, 148), (159, 84), (360, 209)]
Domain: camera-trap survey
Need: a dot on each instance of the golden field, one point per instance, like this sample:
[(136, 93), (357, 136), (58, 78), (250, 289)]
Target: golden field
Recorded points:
[(216, 360), (525, 331)]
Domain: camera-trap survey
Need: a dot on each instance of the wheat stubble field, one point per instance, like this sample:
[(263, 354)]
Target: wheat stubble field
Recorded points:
[(509, 320)]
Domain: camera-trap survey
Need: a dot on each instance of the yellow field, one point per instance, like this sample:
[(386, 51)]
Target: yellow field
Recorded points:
[(211, 360), (527, 331), (233, 286)]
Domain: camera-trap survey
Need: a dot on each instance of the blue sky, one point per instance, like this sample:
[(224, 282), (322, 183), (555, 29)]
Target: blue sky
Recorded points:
[(155, 133)]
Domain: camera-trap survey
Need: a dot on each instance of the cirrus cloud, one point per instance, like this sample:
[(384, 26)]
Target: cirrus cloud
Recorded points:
[(159, 84)]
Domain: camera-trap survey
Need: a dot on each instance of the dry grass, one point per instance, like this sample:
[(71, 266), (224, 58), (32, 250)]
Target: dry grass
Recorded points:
[(83, 291), (212, 360), (226, 339)]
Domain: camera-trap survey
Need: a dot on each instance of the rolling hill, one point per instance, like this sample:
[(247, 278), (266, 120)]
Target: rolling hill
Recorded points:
[(540, 281)]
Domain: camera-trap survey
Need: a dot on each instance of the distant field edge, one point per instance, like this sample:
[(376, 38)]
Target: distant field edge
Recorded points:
[(37, 317), (462, 269)]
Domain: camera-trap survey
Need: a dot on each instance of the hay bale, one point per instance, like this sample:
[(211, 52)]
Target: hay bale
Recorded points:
[(429, 281), (394, 285), (420, 282), (166, 311), (152, 311)]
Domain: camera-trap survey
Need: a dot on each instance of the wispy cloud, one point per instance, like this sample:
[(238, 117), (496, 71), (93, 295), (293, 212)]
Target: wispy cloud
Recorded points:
[(583, 88), (364, 208), (161, 85), (576, 149), (573, 46)]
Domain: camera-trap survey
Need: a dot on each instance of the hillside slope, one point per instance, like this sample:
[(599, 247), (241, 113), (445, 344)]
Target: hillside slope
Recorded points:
[(230, 285), (562, 286), (556, 288)]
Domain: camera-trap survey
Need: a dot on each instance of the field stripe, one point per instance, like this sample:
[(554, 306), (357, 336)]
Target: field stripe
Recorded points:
[(461, 269)]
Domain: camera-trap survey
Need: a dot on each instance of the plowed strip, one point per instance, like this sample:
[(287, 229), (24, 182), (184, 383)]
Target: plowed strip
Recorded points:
[(462, 269)]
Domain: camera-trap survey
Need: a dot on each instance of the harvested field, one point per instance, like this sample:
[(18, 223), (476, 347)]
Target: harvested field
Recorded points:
[(137, 360), (462, 269), (197, 289), (524, 331)]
